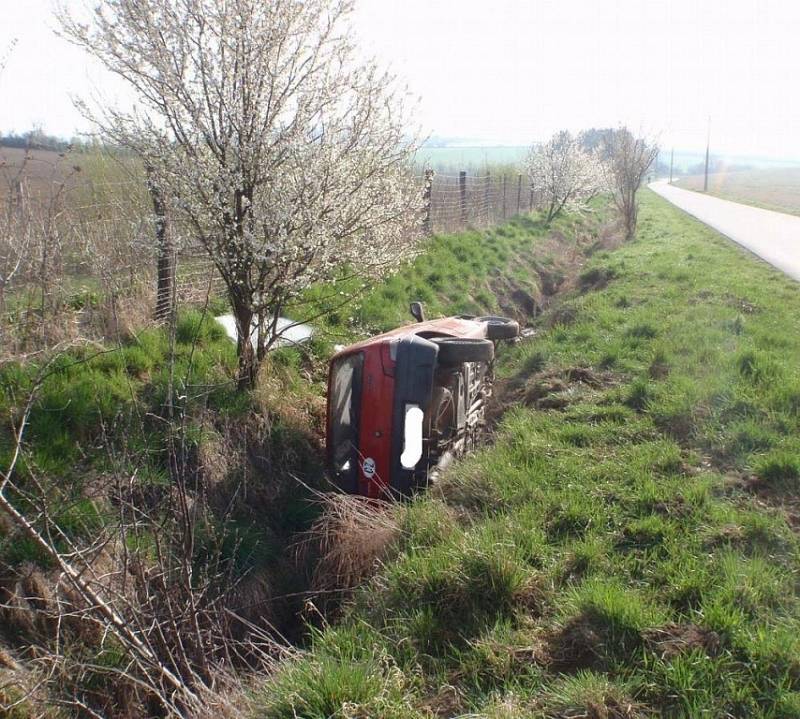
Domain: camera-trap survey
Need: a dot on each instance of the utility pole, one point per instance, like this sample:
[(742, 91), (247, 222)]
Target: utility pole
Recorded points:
[(671, 161), (708, 145)]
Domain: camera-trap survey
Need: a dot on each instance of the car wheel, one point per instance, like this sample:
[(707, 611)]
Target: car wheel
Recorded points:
[(456, 350), (500, 328)]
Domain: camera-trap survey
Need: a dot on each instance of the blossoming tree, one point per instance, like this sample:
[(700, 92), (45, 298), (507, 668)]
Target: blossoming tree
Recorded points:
[(563, 176), (282, 152)]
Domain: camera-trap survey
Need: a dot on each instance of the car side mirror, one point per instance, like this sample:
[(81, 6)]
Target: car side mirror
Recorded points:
[(417, 312)]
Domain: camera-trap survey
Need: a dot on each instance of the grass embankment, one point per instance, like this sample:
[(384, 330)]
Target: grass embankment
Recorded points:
[(101, 420), (626, 546), (98, 399)]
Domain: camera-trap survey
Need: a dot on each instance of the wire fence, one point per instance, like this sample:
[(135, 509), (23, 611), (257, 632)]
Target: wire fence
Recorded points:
[(81, 257), (458, 201)]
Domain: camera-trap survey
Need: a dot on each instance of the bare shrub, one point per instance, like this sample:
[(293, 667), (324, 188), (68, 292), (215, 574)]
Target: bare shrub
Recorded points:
[(352, 536), (144, 592), (76, 253), (627, 160)]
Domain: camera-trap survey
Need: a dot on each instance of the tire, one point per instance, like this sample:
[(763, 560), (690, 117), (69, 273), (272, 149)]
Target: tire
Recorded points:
[(500, 328), (457, 350)]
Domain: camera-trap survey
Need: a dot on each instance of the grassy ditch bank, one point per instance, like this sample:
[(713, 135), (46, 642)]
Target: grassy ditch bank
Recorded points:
[(116, 433), (627, 545)]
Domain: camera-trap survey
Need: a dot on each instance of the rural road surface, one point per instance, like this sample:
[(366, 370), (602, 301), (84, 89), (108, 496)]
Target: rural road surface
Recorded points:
[(773, 236)]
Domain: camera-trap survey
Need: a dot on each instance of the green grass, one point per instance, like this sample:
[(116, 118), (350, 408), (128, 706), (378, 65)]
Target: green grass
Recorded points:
[(98, 404), (631, 552), (103, 409), (472, 272)]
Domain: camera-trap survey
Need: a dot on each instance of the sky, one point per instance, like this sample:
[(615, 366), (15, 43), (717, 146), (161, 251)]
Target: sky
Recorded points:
[(512, 71)]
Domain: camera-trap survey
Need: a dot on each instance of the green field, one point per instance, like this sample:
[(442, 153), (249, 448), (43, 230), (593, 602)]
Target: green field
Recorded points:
[(770, 188), (470, 159), (627, 545)]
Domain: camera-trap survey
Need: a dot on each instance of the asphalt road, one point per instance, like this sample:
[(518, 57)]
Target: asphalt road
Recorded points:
[(773, 236)]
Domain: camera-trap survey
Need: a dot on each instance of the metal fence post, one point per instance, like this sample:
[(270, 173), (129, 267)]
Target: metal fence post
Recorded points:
[(487, 196), (427, 194), (519, 194), (165, 256), (505, 182), (462, 184)]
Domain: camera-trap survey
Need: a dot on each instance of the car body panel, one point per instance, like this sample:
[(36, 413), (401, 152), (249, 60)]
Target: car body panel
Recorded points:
[(381, 404), (444, 327)]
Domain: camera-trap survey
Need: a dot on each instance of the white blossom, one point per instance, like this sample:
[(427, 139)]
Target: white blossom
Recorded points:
[(563, 175), (282, 152)]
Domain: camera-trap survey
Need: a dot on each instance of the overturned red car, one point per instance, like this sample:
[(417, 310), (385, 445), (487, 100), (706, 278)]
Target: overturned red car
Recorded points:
[(402, 404)]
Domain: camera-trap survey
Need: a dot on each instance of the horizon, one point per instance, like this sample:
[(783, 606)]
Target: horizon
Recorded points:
[(512, 76), (506, 154)]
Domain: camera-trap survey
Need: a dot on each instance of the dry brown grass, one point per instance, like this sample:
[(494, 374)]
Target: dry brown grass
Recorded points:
[(352, 537), (279, 393), (672, 640), (608, 708), (123, 317)]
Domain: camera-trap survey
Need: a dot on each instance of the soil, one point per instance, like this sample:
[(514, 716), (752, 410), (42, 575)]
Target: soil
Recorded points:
[(774, 496), (672, 640), (553, 389)]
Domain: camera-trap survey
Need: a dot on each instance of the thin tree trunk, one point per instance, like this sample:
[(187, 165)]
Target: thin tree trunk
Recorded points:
[(248, 362)]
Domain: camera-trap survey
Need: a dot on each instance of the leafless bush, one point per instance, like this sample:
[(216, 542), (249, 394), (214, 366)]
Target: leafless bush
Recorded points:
[(76, 248), (31, 246), (627, 160), (137, 615)]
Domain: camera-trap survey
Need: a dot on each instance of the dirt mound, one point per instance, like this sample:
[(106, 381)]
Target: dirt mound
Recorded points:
[(553, 389), (556, 389), (608, 708), (577, 645), (741, 304), (773, 492), (595, 278), (672, 640), (563, 315), (520, 302), (447, 702)]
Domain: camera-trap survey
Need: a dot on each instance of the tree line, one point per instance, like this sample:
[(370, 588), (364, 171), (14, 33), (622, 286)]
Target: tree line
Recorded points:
[(568, 170)]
